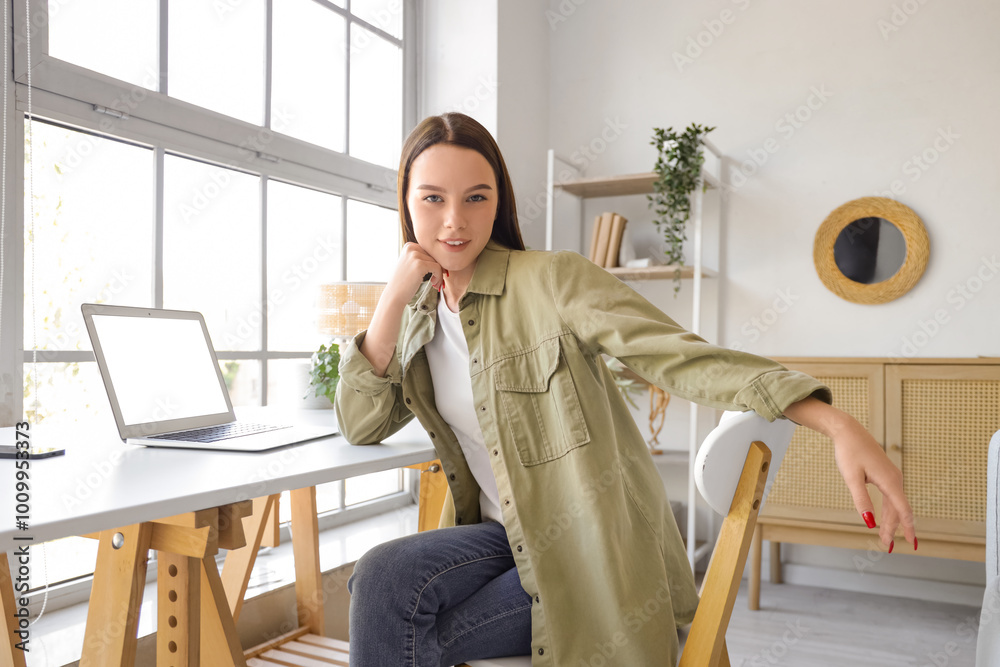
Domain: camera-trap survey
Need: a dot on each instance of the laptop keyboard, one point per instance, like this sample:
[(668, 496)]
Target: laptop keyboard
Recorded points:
[(216, 433)]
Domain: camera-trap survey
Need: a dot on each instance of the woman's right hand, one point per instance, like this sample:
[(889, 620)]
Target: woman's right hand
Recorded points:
[(379, 343), (413, 266)]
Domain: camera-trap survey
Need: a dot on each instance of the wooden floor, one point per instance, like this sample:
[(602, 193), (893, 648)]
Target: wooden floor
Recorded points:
[(818, 627)]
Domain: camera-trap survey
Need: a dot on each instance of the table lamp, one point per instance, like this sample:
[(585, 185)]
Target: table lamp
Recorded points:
[(345, 308)]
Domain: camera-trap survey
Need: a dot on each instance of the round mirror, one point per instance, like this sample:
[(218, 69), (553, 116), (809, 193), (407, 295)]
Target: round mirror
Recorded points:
[(871, 250)]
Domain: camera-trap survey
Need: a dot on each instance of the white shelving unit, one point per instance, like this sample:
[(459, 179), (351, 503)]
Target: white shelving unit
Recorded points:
[(640, 184)]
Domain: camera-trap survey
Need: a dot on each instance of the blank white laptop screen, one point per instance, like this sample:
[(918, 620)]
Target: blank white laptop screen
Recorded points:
[(161, 368)]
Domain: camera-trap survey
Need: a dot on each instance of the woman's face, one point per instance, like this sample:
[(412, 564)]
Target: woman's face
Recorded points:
[(452, 197)]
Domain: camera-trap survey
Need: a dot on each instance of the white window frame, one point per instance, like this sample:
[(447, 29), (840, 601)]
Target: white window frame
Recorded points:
[(79, 98)]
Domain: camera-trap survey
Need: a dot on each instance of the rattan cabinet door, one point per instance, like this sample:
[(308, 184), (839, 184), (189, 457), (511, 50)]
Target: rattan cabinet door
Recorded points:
[(939, 422), (808, 485)]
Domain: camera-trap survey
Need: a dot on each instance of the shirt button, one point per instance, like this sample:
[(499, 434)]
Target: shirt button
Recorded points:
[(506, 502), (423, 306), (452, 477), (541, 651), (496, 452), (482, 408), (475, 361), (432, 434), (471, 322), (520, 548), (407, 401), (537, 600)]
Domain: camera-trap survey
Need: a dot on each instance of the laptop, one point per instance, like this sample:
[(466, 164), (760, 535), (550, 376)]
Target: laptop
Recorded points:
[(165, 385)]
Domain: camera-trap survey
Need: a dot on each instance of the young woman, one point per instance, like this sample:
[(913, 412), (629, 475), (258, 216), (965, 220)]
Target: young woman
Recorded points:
[(557, 539)]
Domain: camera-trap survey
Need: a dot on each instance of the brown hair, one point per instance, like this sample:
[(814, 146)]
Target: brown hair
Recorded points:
[(457, 129)]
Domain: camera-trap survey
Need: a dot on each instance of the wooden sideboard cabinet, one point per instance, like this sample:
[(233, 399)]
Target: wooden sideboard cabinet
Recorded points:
[(934, 417)]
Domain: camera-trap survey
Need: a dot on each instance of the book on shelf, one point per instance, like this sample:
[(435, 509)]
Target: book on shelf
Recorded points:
[(615, 241), (606, 239), (599, 233)]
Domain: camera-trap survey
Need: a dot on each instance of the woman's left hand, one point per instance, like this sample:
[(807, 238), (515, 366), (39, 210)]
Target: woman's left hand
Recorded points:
[(861, 461)]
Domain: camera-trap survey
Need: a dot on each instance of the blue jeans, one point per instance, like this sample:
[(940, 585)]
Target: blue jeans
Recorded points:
[(438, 598)]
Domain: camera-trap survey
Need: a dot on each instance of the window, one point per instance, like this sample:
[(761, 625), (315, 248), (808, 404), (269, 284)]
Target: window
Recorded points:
[(228, 157)]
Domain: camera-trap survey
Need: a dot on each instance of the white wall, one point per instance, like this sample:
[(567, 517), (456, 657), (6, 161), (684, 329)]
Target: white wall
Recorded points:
[(885, 86), (884, 99), (458, 69)]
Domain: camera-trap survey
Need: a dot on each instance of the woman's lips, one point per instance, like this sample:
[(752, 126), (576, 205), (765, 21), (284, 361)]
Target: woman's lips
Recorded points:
[(454, 248)]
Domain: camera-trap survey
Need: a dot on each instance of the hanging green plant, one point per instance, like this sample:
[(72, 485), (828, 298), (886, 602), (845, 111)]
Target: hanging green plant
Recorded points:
[(678, 171)]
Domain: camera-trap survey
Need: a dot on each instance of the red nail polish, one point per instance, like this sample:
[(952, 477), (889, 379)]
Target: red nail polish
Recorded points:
[(869, 519), (914, 542), (891, 545)]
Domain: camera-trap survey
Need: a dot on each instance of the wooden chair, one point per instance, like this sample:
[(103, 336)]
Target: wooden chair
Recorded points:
[(731, 471)]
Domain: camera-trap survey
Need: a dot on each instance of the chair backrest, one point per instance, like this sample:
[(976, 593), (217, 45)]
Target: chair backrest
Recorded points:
[(719, 463)]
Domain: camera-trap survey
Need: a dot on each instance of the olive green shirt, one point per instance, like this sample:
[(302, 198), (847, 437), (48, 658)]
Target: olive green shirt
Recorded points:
[(587, 517)]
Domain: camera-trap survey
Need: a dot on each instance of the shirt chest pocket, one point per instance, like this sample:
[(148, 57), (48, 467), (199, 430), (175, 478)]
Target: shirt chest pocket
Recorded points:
[(541, 403)]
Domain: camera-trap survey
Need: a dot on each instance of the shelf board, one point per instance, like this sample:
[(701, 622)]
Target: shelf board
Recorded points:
[(613, 186), (657, 272)]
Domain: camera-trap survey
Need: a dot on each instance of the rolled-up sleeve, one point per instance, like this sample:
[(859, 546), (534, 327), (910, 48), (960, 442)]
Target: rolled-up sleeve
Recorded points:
[(610, 317), (369, 407)]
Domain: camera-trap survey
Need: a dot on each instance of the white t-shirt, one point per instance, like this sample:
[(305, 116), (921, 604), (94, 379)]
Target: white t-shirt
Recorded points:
[(448, 358)]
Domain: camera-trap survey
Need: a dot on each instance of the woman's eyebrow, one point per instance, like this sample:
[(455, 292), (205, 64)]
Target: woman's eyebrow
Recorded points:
[(435, 188)]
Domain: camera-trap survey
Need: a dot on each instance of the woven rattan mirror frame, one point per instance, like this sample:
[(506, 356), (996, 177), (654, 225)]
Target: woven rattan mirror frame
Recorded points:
[(917, 250)]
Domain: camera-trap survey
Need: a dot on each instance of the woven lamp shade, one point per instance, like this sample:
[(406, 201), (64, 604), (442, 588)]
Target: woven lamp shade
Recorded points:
[(347, 308)]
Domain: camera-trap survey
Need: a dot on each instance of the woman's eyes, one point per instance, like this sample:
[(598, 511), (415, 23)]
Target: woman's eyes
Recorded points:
[(435, 199)]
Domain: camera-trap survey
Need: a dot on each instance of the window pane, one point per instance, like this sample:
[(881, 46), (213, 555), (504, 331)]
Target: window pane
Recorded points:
[(383, 14), (84, 249), (376, 98), (211, 249), (303, 252), (373, 485), (67, 393), (288, 385), (372, 242), (114, 37), (242, 378), (327, 500), (69, 557), (309, 78), (217, 56)]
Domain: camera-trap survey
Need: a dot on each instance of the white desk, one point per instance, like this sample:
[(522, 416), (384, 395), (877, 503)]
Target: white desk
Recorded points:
[(101, 484)]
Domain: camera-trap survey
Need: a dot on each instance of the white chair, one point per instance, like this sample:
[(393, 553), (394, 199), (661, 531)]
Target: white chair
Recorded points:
[(988, 650), (732, 471)]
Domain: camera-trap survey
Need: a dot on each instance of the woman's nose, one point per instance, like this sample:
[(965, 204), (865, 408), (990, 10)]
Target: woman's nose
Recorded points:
[(454, 219)]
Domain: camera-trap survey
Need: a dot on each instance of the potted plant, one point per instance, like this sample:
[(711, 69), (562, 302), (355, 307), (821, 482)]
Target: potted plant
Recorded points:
[(323, 372), (678, 170)]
